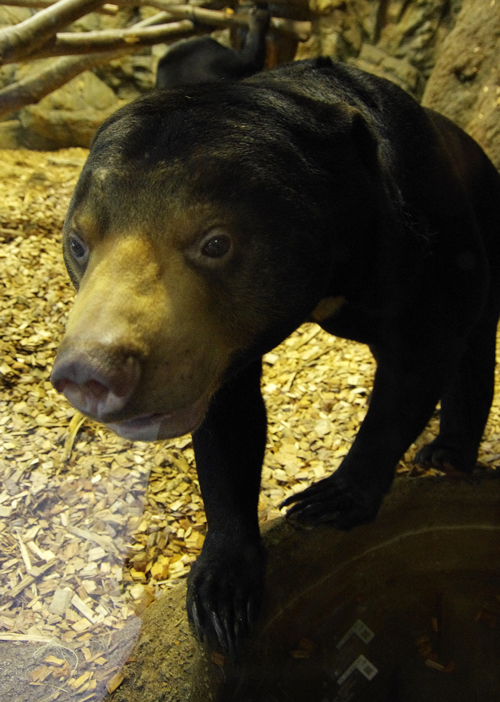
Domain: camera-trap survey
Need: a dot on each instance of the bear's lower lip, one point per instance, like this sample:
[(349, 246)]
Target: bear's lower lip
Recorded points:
[(156, 427)]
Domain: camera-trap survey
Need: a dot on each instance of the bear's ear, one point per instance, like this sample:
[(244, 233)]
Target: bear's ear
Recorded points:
[(377, 156), (365, 141)]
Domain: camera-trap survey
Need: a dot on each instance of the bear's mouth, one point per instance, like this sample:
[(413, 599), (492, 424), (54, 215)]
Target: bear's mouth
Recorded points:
[(160, 426)]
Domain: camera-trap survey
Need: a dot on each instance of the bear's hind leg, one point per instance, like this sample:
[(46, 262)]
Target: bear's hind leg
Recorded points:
[(465, 404)]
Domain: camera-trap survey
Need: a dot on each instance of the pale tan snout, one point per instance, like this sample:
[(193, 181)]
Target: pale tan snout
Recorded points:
[(140, 352), (110, 329)]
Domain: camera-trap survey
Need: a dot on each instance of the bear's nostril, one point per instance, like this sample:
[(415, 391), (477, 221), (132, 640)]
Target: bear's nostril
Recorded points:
[(95, 383), (97, 389), (60, 385)]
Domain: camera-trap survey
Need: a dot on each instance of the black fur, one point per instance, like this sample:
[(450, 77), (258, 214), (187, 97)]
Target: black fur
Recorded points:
[(344, 187)]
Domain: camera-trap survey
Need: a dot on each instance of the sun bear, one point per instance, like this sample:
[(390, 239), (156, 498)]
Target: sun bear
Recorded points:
[(210, 222)]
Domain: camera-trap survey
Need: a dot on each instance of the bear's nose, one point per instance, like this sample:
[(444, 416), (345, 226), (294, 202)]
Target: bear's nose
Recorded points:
[(96, 382)]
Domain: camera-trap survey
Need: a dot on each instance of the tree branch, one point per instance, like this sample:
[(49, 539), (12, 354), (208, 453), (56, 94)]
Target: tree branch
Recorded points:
[(140, 34), (24, 38), (106, 9), (69, 43), (33, 88), (34, 38), (216, 18), (159, 18), (201, 15)]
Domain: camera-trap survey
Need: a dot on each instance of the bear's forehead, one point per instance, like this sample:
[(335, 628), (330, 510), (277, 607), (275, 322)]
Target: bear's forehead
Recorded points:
[(158, 201)]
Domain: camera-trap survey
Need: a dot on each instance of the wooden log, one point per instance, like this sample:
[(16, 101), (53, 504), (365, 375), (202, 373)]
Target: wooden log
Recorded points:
[(25, 38), (73, 43)]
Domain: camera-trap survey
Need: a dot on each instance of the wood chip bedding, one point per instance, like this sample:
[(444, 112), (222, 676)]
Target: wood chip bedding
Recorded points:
[(93, 527)]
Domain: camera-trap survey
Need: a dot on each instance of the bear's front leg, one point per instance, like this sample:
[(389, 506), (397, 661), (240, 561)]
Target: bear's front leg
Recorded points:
[(226, 583), (408, 385)]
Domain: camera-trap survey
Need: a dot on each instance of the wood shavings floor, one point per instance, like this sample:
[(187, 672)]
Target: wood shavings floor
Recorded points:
[(92, 527)]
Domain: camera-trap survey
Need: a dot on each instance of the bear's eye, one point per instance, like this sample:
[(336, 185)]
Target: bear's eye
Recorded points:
[(79, 249), (216, 245)]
